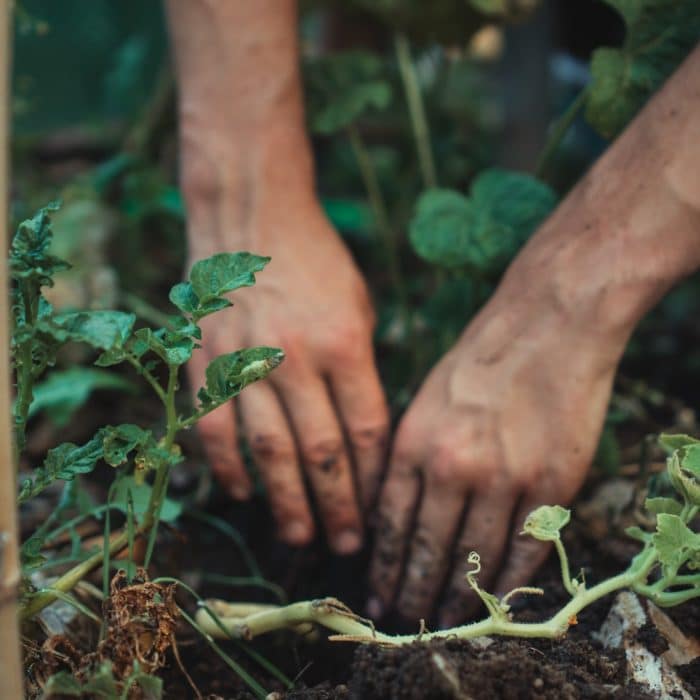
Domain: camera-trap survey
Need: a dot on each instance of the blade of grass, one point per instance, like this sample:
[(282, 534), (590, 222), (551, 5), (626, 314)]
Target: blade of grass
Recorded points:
[(74, 602), (258, 658), (130, 534), (257, 689)]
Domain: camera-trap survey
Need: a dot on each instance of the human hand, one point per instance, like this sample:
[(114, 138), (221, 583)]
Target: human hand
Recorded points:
[(321, 416), (507, 421)]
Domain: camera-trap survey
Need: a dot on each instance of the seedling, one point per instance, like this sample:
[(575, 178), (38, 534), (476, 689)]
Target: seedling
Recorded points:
[(666, 570), (142, 460)]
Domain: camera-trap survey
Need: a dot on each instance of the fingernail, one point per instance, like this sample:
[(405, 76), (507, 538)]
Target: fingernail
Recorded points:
[(347, 542), (375, 609), (296, 533)]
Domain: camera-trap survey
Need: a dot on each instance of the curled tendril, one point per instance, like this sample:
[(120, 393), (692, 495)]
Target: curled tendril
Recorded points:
[(475, 560)]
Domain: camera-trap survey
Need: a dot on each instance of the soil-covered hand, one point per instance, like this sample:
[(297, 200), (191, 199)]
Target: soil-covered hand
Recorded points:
[(507, 421), (510, 418), (321, 416)]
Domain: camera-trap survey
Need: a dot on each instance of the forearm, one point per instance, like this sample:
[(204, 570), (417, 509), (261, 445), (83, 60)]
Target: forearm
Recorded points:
[(241, 117), (631, 228)]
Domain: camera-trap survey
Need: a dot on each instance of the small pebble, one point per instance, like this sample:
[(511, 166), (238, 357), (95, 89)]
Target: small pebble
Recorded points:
[(538, 683)]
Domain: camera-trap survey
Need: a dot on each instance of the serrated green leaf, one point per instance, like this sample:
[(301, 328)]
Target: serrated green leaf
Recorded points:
[(29, 257), (141, 494), (663, 505), (659, 34), (342, 87), (674, 441), (118, 441), (172, 348), (675, 543), (545, 522), (482, 232), (63, 462), (64, 392), (103, 330), (224, 272), (228, 375)]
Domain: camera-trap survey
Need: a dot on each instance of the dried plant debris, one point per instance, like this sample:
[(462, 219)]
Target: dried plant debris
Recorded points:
[(140, 618)]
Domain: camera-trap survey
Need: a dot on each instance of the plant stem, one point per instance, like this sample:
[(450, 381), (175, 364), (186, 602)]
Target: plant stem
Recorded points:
[(561, 126), (160, 484), (569, 585), (416, 110), (68, 581), (133, 361), (335, 616), (387, 234)]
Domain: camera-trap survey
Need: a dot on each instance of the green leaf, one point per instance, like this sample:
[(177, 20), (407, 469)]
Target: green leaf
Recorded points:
[(63, 462), (228, 375), (141, 495), (224, 272), (120, 440), (684, 472), (482, 232), (60, 684), (545, 522), (342, 87), (674, 441), (663, 505), (183, 296), (29, 257), (675, 543), (101, 683), (659, 34), (30, 555), (66, 391), (103, 330), (151, 686), (172, 348), (636, 533)]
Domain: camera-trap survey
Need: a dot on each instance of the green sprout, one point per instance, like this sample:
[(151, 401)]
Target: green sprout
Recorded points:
[(666, 570)]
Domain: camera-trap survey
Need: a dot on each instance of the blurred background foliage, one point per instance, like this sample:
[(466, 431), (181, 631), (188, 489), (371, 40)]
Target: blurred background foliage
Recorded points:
[(94, 124)]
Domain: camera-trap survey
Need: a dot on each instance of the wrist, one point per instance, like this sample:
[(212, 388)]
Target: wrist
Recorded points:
[(241, 188)]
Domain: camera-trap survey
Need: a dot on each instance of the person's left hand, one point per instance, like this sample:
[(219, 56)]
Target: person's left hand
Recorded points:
[(507, 421)]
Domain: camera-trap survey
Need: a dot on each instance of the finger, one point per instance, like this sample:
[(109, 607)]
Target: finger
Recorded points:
[(438, 520), (364, 414), (324, 457), (272, 446), (217, 431), (525, 555), (397, 504), (485, 532)]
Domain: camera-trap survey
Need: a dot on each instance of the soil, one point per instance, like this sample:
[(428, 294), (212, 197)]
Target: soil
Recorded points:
[(575, 667), (572, 668)]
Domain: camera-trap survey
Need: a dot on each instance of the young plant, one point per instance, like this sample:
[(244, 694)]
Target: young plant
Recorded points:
[(157, 355), (666, 570)]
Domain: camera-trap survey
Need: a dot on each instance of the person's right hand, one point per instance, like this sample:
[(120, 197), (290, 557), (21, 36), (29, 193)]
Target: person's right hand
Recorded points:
[(320, 418)]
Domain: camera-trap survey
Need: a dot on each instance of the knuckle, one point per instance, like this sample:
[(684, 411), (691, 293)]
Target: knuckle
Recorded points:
[(271, 447), (367, 435), (348, 344), (323, 454)]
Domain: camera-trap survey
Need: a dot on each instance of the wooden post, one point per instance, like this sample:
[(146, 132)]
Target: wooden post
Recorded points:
[(10, 657)]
